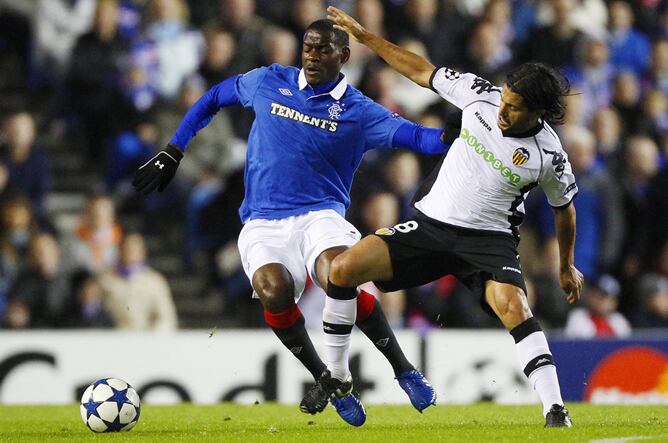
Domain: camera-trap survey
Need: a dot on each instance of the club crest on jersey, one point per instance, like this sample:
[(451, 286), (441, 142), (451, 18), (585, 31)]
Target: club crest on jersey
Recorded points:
[(385, 231), (520, 156), (335, 110)]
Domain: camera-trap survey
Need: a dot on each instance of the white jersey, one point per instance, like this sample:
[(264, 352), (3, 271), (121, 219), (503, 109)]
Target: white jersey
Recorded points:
[(485, 176)]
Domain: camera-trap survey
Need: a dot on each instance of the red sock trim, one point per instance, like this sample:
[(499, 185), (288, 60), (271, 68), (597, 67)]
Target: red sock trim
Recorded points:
[(283, 319), (365, 304)]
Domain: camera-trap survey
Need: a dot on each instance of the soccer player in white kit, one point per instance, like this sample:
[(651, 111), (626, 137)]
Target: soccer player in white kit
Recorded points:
[(468, 213)]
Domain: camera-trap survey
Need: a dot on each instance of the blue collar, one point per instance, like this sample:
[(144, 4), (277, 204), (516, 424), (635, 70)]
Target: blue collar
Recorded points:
[(326, 87), (334, 88)]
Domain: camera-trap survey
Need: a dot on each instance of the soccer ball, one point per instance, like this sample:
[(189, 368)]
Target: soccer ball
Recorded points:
[(110, 405)]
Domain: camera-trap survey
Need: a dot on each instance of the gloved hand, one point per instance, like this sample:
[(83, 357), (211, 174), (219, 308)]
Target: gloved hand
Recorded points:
[(158, 171), (453, 126)]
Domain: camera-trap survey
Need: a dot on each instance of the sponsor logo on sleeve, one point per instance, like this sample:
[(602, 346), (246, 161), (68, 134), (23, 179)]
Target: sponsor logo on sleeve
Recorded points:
[(481, 85), (570, 187), (451, 74), (558, 161)]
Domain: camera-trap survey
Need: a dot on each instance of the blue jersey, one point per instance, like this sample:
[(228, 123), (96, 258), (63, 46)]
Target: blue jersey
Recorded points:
[(303, 147)]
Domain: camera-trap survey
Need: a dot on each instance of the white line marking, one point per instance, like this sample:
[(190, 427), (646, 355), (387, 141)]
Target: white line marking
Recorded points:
[(629, 439)]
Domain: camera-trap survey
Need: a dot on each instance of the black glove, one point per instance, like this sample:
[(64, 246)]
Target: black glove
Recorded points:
[(158, 171), (453, 126)]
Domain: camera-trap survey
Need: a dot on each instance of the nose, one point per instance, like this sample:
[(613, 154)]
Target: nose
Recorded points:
[(503, 112)]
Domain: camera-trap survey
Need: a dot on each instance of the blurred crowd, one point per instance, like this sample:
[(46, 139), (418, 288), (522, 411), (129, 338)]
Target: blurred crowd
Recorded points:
[(109, 80)]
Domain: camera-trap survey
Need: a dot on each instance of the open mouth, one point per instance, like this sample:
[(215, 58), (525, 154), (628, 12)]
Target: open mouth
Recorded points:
[(312, 70)]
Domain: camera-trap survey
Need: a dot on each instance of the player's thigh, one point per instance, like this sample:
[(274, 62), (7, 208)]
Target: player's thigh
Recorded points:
[(326, 235), (367, 260), (508, 302), (262, 243), (419, 252)]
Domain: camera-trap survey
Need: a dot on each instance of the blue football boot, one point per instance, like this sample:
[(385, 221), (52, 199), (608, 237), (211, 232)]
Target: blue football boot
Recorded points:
[(419, 391), (345, 401)]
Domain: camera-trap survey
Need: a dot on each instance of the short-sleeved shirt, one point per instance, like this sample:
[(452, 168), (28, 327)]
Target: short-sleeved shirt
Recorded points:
[(485, 177), (304, 147)]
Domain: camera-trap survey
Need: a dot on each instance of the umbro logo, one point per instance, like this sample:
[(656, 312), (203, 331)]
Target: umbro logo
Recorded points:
[(296, 350), (285, 91)]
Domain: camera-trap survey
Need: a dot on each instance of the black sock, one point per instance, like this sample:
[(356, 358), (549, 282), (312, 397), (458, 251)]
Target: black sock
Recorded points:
[(296, 339), (376, 327)]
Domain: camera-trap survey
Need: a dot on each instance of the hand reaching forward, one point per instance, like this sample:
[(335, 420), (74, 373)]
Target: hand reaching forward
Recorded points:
[(345, 23)]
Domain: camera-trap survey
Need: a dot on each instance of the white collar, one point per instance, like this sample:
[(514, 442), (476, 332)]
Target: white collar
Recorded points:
[(337, 92)]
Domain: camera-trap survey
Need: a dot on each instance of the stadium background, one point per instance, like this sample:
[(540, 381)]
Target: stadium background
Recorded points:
[(89, 90)]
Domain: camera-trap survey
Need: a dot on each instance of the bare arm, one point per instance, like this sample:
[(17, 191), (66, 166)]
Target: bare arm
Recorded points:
[(409, 64), (570, 278)]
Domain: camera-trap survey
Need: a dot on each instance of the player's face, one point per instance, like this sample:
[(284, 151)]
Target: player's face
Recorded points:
[(322, 59), (514, 115)]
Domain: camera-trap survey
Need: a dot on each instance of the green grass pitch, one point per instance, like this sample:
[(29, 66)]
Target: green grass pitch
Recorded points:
[(385, 423)]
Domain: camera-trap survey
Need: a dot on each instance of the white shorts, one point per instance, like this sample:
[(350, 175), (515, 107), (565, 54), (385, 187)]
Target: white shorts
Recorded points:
[(295, 242)]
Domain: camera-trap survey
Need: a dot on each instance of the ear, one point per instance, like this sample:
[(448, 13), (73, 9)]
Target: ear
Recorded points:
[(345, 55)]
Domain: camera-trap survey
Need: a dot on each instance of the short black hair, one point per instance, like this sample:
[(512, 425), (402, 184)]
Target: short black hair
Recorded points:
[(339, 38), (542, 87)]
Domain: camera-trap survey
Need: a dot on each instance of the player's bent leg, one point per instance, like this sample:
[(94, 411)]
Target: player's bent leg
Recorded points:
[(371, 320), (275, 287), (367, 260), (510, 305), (362, 262)]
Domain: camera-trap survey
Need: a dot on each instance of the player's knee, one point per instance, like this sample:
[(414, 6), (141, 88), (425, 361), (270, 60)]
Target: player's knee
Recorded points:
[(514, 309), (276, 294), (342, 271)]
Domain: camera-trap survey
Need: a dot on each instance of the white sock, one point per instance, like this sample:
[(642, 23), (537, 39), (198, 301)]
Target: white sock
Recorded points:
[(338, 319), (537, 363), (546, 384)]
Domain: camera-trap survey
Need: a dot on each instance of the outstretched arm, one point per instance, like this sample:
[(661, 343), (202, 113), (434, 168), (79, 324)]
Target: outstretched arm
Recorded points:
[(201, 113), (160, 170), (409, 64)]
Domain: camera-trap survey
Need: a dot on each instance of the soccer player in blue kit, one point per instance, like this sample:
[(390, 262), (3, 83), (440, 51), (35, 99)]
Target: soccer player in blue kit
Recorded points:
[(310, 131)]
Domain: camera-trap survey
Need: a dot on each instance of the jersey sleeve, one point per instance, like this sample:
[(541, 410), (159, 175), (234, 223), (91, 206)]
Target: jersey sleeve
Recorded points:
[(379, 125), (248, 84), (462, 89), (558, 181)]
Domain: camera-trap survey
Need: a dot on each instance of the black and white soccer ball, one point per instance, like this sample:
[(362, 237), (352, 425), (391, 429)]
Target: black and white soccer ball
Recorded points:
[(110, 405)]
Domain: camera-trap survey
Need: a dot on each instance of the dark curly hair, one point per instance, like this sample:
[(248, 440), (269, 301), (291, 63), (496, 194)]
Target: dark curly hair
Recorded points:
[(542, 87)]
